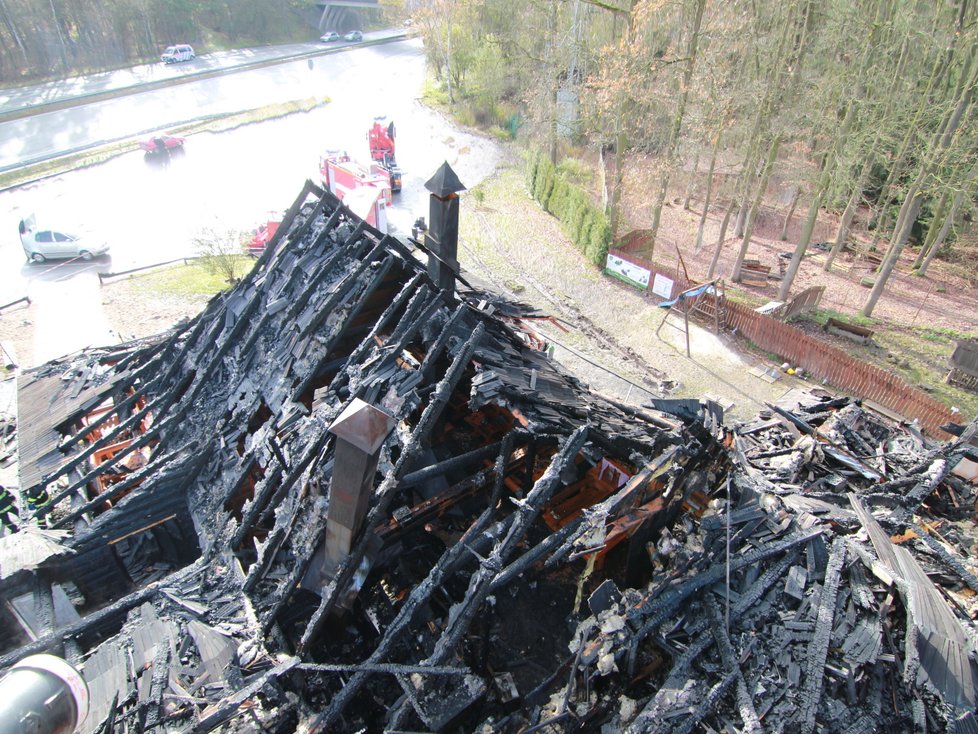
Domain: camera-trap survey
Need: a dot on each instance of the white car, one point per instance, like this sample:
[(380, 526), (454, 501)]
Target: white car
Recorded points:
[(176, 54), (51, 244)]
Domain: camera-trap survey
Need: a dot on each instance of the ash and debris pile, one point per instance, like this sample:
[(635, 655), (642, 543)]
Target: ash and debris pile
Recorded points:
[(347, 497)]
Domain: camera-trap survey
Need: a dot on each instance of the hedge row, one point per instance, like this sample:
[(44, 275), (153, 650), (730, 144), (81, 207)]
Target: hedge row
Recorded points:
[(582, 221)]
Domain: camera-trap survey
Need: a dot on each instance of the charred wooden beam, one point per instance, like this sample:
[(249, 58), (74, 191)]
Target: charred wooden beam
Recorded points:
[(447, 565), (745, 704), (363, 298), (338, 291), (158, 683), (370, 340), (96, 619), (477, 533), (386, 491), (300, 565), (157, 408), (443, 467), (431, 358), (230, 705), (811, 692), (324, 269), (134, 480), (270, 494), (950, 560), (389, 668), (522, 564), (526, 513), (658, 606), (935, 475)]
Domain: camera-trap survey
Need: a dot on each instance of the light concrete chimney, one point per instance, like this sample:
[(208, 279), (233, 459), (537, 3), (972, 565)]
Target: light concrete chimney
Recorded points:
[(441, 239), (360, 431)]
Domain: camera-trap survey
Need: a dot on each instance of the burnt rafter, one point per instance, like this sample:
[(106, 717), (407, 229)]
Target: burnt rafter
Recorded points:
[(499, 549)]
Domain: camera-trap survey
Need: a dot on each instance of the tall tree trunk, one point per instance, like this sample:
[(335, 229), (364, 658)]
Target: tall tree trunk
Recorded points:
[(915, 195), (842, 233), (677, 120), (899, 162), (448, 55), (720, 238), (937, 221), (709, 192), (621, 139), (938, 242), (12, 30), (691, 185), (772, 156), (829, 163), (959, 195), (791, 212), (62, 49), (555, 86)]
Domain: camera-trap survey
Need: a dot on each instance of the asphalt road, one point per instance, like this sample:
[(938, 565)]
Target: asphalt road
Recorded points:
[(41, 121), (227, 181)]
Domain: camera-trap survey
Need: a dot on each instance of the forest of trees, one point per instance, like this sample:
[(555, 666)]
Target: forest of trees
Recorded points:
[(41, 39), (846, 105), (852, 104)]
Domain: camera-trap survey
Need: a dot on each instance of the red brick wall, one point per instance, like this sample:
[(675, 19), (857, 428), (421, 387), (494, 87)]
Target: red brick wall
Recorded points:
[(819, 359)]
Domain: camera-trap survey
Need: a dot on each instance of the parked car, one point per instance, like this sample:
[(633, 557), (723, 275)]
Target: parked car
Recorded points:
[(176, 54), (329, 37), (354, 36), (51, 244), (162, 144)]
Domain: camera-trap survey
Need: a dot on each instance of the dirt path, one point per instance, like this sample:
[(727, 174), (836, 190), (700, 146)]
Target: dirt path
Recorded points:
[(507, 239)]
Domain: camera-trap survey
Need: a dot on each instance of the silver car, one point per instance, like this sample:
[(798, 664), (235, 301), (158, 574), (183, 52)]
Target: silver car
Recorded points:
[(51, 244)]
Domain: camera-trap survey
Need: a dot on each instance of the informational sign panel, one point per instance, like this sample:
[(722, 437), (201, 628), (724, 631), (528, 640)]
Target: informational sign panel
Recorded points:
[(662, 286), (628, 272)]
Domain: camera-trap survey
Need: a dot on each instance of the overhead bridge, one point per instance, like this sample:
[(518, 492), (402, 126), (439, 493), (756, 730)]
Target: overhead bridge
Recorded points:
[(342, 15)]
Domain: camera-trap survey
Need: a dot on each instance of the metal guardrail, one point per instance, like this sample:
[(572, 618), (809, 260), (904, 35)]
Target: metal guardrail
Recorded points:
[(108, 276), (22, 299), (82, 99)]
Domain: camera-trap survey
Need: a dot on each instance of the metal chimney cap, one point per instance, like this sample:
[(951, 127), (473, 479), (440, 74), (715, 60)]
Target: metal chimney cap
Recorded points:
[(363, 425), (444, 182)]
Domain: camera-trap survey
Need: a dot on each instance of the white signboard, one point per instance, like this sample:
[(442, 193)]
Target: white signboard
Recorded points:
[(662, 286), (628, 272)]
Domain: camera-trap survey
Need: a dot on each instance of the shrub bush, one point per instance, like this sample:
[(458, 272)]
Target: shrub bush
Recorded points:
[(532, 165), (583, 222)]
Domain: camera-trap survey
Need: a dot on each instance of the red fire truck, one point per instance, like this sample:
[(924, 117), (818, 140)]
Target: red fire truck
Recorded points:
[(367, 191), (380, 138)]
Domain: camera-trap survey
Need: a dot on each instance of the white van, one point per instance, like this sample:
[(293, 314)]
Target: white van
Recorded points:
[(175, 54)]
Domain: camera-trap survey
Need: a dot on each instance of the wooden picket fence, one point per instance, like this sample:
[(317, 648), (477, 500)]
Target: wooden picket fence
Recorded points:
[(819, 359)]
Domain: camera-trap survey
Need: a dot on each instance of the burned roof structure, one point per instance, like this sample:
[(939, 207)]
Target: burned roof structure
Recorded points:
[(345, 497)]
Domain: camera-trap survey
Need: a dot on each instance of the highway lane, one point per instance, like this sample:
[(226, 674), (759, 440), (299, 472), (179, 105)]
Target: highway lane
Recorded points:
[(237, 87), (230, 180)]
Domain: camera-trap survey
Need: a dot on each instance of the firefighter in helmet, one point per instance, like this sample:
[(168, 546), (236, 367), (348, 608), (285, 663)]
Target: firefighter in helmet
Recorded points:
[(8, 509), (37, 498)]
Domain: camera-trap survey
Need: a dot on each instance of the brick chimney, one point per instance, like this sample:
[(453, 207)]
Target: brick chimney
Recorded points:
[(441, 238)]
